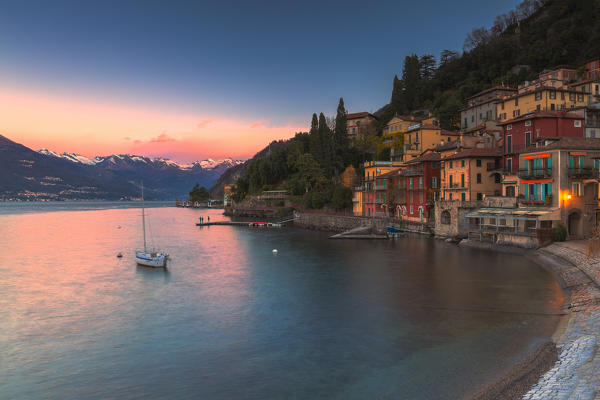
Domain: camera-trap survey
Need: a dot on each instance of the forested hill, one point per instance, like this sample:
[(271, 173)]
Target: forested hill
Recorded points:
[(535, 36)]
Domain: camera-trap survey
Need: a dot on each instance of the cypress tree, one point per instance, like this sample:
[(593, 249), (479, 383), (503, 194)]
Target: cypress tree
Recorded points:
[(397, 102), (326, 139), (340, 136), (314, 141)]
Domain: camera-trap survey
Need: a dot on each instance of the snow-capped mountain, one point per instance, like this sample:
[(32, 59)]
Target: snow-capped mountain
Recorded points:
[(123, 160), (45, 174)]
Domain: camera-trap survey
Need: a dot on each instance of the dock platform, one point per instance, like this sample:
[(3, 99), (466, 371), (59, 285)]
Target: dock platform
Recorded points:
[(241, 223)]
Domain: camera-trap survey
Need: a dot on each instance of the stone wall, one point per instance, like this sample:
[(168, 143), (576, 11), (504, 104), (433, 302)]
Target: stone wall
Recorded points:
[(457, 210), (340, 223)]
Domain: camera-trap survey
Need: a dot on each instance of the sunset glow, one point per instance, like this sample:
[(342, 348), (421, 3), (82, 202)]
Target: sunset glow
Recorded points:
[(91, 128)]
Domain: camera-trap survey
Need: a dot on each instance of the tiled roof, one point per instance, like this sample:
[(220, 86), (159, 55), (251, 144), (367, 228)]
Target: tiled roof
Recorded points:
[(360, 115), (490, 90), (569, 143), (542, 114), (429, 156), (476, 152)]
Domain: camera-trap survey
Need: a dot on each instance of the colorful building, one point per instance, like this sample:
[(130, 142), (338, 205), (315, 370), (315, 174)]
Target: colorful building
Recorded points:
[(421, 137), (393, 132), (562, 173), (372, 189), (540, 99), (471, 174), (355, 120), (418, 187), (481, 107)]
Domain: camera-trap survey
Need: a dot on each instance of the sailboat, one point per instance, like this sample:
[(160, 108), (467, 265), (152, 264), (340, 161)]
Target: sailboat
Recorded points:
[(147, 258)]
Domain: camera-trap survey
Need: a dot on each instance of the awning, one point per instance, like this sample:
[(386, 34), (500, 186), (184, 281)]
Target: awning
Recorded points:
[(542, 214)]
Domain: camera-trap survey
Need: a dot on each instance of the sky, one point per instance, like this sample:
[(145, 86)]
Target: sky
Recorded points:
[(188, 80)]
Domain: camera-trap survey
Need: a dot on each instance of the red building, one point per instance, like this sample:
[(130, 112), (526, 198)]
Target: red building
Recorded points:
[(520, 133), (415, 188), (592, 69)]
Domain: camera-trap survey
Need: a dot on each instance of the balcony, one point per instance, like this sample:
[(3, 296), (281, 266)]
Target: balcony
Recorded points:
[(535, 173), (454, 186), (492, 166), (585, 172), (412, 173)]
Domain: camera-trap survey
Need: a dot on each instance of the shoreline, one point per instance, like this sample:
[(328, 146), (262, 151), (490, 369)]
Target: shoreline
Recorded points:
[(569, 365)]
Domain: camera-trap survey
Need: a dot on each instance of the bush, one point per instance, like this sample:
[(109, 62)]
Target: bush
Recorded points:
[(315, 200), (559, 232), (341, 197)]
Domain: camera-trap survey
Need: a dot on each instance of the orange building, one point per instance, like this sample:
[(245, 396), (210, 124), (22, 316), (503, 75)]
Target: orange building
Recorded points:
[(540, 99), (471, 174)]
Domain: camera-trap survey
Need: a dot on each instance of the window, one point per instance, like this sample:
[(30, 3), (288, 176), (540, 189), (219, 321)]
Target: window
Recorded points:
[(479, 196), (576, 189), (516, 101), (463, 196), (480, 116), (516, 113), (450, 197), (434, 165), (420, 182), (509, 147), (577, 124), (572, 96), (528, 123), (562, 95), (552, 107), (497, 178), (420, 197), (502, 106), (538, 107), (434, 182), (509, 164), (445, 217), (478, 178), (552, 94), (472, 118), (450, 180), (579, 97), (462, 163), (478, 163), (450, 164), (538, 95), (527, 139), (411, 209), (462, 180), (410, 196), (510, 191)]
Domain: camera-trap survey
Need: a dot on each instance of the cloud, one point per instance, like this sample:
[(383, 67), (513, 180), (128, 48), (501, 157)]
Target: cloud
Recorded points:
[(162, 138), (127, 138), (256, 124), (137, 142), (203, 123)]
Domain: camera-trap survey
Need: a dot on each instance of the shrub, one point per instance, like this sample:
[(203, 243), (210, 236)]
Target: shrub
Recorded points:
[(341, 197), (559, 232), (284, 211)]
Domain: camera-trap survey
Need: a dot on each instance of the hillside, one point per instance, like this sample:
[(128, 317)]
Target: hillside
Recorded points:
[(535, 36)]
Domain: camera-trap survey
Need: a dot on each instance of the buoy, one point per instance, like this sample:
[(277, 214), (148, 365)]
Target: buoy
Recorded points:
[(119, 255), (274, 251)]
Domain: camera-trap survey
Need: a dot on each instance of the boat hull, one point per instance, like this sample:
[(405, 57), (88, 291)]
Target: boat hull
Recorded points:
[(158, 260)]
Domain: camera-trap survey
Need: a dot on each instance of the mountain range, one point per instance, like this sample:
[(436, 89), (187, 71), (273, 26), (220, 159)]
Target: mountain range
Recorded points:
[(26, 174)]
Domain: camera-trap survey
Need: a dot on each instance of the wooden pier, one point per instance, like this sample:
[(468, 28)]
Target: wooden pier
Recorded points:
[(241, 223)]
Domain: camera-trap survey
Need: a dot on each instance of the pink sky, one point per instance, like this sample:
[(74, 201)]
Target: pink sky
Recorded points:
[(91, 128)]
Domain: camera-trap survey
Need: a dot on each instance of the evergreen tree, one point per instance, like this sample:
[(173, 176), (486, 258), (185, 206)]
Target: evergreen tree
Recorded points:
[(340, 137), (314, 140), (411, 77), (327, 148), (397, 102)]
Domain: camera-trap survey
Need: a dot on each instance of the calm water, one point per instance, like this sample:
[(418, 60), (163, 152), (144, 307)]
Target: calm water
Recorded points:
[(412, 318)]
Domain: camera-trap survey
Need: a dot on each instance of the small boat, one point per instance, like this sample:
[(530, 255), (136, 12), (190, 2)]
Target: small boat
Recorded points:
[(119, 255), (391, 229), (147, 258)]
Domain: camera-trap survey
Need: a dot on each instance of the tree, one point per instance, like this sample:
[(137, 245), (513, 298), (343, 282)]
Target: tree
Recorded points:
[(411, 76), (397, 102), (310, 174), (427, 66), (366, 140), (477, 37), (447, 56), (199, 194), (341, 197), (340, 136), (326, 158)]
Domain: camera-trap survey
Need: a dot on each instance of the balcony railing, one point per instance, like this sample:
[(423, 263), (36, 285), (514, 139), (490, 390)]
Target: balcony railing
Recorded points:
[(413, 173), (454, 186), (535, 173), (585, 172)]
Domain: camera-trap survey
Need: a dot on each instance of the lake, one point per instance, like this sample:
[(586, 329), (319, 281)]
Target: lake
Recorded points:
[(411, 318)]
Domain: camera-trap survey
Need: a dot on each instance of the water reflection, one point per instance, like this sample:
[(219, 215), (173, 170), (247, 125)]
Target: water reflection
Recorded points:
[(228, 319)]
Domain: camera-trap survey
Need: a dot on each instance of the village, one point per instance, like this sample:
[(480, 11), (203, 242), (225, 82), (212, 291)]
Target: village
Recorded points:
[(523, 170)]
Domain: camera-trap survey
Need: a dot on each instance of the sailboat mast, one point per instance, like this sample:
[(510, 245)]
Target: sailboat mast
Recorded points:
[(143, 218)]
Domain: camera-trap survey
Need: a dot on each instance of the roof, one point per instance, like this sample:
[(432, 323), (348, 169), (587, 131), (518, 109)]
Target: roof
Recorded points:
[(475, 152), (449, 133), (358, 115), (390, 173), (428, 156), (542, 114), (490, 90), (569, 143), (447, 146)]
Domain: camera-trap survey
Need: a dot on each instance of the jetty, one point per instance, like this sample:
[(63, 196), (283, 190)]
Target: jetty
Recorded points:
[(259, 224), (362, 232)]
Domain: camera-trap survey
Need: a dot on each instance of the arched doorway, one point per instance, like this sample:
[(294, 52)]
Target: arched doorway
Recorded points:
[(574, 224)]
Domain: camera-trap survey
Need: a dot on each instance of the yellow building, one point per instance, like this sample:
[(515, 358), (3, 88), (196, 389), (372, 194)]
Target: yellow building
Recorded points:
[(471, 175), (421, 137), (355, 120), (227, 192), (540, 99)]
